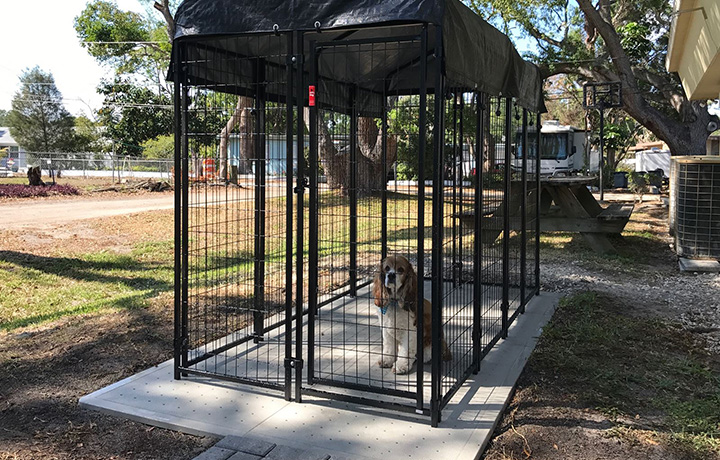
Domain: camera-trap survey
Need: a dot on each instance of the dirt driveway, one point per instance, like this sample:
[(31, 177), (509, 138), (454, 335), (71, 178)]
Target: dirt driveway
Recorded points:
[(38, 213)]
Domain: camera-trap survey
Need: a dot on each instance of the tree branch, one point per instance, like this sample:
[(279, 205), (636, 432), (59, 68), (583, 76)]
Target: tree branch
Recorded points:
[(163, 6)]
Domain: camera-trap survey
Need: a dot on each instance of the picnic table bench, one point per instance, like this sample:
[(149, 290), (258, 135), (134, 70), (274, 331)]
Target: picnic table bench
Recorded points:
[(575, 210)]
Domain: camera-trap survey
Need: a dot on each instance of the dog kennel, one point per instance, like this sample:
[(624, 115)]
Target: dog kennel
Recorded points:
[(341, 133)]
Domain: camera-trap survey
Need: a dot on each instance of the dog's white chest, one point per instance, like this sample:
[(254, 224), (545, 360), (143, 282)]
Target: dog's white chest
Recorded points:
[(395, 319)]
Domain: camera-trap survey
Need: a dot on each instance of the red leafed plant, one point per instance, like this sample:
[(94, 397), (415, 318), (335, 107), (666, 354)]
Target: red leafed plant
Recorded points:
[(28, 191)]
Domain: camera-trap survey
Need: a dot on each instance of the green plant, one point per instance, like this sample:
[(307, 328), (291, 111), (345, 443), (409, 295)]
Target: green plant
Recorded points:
[(638, 184)]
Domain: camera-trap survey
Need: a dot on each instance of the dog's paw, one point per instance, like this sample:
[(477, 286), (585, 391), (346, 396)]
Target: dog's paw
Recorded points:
[(386, 362), (402, 366), (427, 354)]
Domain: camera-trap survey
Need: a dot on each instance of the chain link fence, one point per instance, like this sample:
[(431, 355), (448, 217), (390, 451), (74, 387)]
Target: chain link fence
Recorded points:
[(116, 167)]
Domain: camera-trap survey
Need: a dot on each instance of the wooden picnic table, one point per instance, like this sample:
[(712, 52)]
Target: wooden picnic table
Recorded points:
[(575, 210)]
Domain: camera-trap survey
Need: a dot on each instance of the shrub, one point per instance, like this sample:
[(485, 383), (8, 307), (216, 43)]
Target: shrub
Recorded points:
[(28, 191)]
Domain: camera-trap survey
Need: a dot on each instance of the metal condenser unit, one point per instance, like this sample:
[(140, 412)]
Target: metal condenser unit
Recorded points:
[(695, 206)]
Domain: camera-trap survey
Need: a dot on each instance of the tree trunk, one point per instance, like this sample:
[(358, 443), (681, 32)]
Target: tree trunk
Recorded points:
[(488, 147), (34, 175), (371, 175), (242, 116)]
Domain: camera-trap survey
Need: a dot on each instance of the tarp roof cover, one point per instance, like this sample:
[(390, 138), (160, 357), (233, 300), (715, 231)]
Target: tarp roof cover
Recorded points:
[(476, 54)]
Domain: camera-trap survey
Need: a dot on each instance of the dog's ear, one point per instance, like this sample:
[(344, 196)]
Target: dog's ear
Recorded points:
[(378, 290), (410, 288)]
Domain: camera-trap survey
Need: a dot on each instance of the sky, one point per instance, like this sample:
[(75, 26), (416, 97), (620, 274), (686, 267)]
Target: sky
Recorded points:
[(41, 33)]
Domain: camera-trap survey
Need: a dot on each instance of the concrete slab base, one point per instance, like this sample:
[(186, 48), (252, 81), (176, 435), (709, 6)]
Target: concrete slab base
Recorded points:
[(334, 429), (699, 265)]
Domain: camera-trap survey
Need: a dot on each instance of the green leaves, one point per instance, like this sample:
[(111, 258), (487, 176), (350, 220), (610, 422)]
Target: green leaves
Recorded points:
[(38, 119), (103, 21)]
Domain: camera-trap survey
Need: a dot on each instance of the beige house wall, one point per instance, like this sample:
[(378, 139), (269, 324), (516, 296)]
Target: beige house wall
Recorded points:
[(694, 50)]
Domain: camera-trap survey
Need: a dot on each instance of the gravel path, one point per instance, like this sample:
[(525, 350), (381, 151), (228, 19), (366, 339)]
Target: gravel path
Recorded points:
[(690, 299)]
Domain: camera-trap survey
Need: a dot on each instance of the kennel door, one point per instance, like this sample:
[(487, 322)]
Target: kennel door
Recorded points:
[(353, 86)]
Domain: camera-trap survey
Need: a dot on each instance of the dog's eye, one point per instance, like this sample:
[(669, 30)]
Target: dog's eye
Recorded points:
[(400, 270), (387, 269)]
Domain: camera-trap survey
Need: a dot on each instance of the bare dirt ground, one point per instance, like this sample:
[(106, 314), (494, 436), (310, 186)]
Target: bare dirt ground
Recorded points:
[(45, 369)]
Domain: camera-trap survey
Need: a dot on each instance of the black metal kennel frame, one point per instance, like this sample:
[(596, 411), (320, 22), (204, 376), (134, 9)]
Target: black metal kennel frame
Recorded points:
[(309, 146)]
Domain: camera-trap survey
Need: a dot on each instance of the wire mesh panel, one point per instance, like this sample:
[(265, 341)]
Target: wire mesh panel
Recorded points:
[(365, 207), (458, 243), (493, 212), (237, 190)]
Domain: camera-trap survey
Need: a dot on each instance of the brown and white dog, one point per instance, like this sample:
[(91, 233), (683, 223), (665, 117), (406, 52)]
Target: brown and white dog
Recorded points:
[(395, 293)]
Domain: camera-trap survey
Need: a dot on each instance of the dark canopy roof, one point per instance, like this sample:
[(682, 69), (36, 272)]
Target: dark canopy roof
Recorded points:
[(476, 54)]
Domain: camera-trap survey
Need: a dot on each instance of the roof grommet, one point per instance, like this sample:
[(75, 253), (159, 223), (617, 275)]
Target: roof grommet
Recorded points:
[(276, 29), (317, 26)]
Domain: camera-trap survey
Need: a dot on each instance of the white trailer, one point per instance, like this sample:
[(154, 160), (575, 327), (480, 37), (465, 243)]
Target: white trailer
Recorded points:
[(652, 160), (563, 151)]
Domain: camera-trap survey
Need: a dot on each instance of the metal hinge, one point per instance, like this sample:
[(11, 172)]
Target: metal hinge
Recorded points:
[(293, 363), (302, 186), (182, 342)]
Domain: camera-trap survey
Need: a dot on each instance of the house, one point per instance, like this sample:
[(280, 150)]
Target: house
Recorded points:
[(694, 53), (16, 158), (694, 47)]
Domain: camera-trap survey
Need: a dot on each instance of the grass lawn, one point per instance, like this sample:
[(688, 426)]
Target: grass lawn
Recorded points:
[(649, 376), (39, 288)]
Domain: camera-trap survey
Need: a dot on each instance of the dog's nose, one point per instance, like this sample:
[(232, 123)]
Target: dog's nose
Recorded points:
[(391, 277)]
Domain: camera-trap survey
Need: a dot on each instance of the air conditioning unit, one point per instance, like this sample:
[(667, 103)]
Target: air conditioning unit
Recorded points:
[(695, 206)]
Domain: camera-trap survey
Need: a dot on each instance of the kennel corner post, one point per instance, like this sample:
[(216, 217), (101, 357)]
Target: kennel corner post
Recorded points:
[(422, 122), (180, 250), (260, 167), (523, 213), (437, 230)]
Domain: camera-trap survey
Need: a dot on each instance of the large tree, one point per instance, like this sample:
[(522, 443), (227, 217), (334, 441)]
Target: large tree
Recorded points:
[(612, 40), (138, 100), (38, 119)]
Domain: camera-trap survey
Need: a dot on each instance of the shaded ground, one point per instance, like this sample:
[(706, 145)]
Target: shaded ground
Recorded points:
[(45, 369)]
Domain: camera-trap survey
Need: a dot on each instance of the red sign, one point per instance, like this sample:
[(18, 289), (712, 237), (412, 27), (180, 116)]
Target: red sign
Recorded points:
[(311, 95)]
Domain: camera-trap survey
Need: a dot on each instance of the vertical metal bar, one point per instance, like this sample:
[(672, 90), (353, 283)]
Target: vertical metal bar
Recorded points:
[(437, 231), (453, 259), (506, 220), (185, 217), (179, 179), (477, 242), (313, 211), (459, 212), (422, 121), (602, 151), (523, 213), (383, 192), (538, 155), (289, 215), (353, 192), (259, 281), (300, 188)]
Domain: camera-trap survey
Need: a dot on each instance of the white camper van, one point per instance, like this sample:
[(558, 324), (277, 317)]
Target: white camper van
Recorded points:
[(564, 149)]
